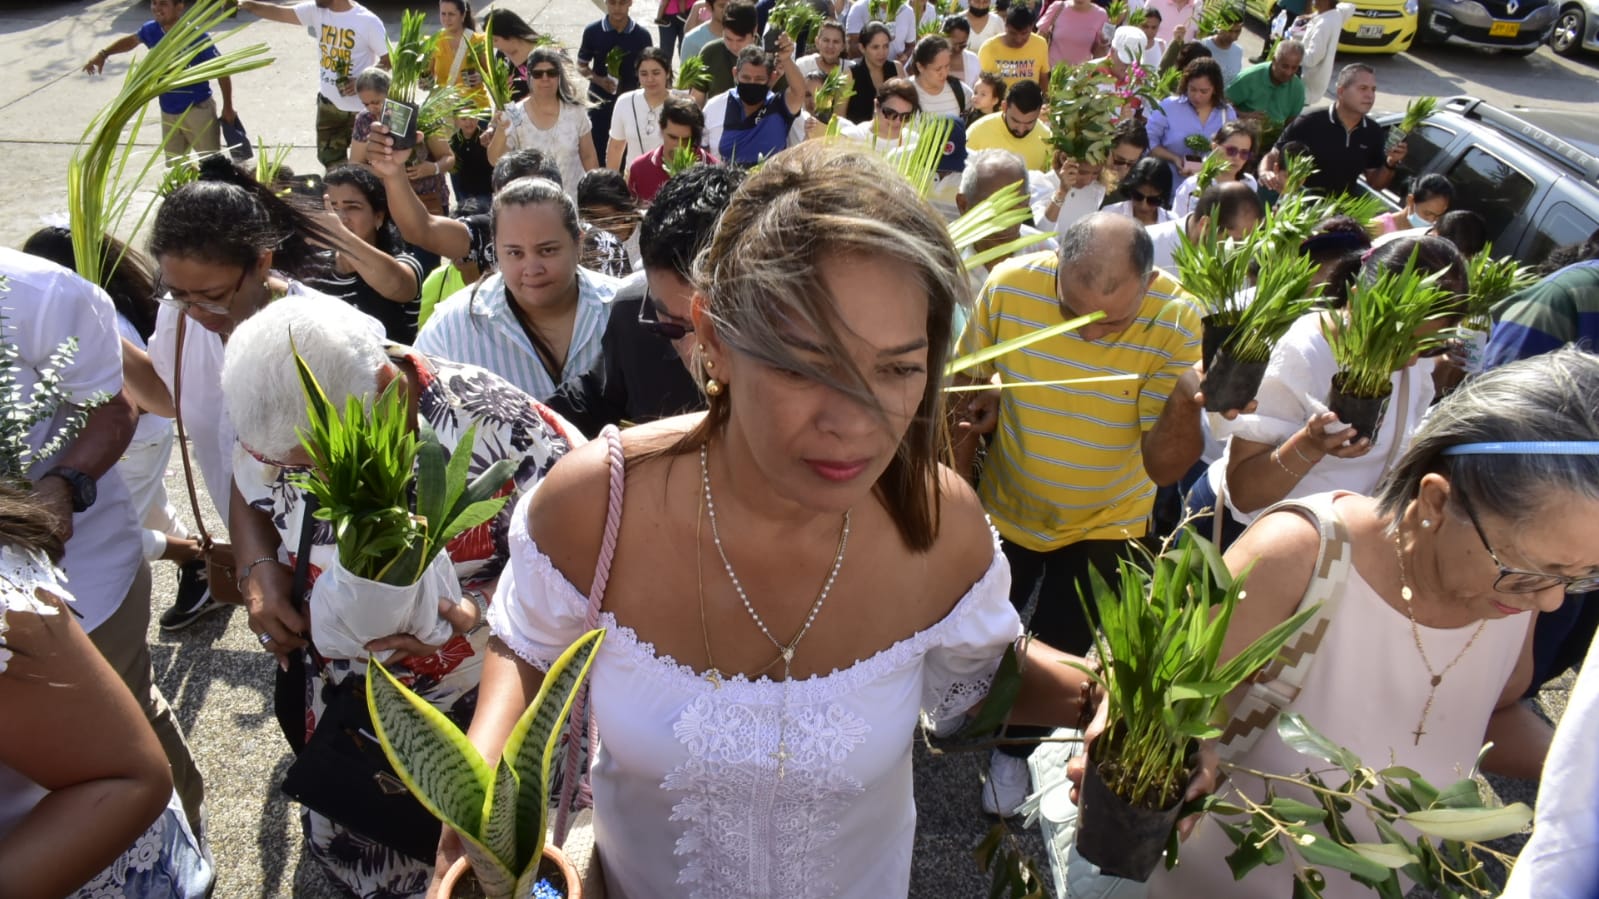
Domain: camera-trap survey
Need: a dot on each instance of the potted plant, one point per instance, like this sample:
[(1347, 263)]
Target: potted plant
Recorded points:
[(390, 568), (1492, 281), (1083, 111), (1214, 18), (1159, 644), (409, 58), (500, 811), (1416, 112), (493, 69), (1198, 147), (1377, 335), (1241, 328)]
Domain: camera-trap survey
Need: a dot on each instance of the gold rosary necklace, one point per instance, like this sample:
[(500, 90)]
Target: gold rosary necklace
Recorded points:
[(1408, 596)]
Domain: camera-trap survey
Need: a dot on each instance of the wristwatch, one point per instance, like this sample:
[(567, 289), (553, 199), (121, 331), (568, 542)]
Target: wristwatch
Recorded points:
[(83, 488)]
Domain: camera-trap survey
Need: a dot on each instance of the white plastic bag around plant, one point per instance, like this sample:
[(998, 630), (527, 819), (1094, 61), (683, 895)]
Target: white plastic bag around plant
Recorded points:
[(348, 612)]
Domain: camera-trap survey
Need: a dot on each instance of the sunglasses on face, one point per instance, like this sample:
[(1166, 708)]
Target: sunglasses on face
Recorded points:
[(650, 318), (1116, 162), (1235, 153), (894, 115), (541, 74), (1147, 199)]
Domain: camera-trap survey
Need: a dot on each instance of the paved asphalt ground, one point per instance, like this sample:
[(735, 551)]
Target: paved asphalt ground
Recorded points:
[(215, 675)]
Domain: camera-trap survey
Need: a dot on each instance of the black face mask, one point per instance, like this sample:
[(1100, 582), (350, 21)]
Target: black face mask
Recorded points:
[(750, 93)]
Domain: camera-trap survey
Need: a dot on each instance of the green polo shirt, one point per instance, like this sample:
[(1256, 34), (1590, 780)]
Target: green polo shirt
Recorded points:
[(1253, 91)]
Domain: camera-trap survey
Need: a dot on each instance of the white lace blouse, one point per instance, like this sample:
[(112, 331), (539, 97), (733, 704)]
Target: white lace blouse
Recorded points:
[(688, 801)]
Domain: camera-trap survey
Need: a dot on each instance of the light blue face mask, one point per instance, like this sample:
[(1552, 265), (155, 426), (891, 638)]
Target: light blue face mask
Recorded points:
[(1417, 221)]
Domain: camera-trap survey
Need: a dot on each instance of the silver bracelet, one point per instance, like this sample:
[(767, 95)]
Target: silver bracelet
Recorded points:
[(244, 573)]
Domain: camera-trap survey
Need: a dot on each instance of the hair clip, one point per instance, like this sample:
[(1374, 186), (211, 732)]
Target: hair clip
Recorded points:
[(1526, 447)]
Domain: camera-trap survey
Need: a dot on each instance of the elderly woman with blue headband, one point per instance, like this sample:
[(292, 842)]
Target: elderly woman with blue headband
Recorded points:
[(1428, 589)]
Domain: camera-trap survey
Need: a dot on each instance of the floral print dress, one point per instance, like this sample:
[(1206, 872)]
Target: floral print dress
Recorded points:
[(510, 425)]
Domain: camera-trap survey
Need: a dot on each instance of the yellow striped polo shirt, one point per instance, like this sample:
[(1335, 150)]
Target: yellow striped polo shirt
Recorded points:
[(1066, 462)]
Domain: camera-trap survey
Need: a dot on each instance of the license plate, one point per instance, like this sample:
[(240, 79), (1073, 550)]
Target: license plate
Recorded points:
[(1369, 31), (1504, 29)]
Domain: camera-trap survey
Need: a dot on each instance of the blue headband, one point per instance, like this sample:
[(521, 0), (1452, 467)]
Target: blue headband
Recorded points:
[(1529, 447)]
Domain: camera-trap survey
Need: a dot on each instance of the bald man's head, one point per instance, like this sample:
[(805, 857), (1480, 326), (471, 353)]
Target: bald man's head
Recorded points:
[(1106, 263)]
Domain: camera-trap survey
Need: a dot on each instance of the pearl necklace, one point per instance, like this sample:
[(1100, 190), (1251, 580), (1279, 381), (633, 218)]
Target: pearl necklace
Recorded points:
[(785, 650), (1437, 677)]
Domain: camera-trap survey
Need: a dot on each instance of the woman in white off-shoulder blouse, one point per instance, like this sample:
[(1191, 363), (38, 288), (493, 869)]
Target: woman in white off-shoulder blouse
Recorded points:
[(794, 578)]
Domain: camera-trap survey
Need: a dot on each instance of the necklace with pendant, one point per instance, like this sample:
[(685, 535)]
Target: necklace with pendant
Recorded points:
[(1437, 677), (785, 650)]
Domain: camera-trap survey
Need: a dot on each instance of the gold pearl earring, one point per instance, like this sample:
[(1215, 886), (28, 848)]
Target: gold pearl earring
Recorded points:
[(713, 387)]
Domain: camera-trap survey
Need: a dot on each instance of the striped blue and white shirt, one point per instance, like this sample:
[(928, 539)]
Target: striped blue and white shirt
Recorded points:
[(476, 326)]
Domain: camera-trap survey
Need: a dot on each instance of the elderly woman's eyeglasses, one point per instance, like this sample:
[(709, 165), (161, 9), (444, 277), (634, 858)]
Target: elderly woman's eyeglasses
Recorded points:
[(650, 318), (1514, 580)]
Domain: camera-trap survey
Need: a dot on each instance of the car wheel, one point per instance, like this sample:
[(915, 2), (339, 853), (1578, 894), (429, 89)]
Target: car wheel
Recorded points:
[(1566, 39)]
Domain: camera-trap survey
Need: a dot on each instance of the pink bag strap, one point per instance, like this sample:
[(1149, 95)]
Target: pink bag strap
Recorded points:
[(575, 791)]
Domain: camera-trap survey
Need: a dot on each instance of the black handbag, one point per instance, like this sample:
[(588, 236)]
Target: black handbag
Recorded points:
[(341, 772)]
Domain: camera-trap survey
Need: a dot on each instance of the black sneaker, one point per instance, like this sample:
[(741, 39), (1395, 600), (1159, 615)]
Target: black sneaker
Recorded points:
[(193, 601)]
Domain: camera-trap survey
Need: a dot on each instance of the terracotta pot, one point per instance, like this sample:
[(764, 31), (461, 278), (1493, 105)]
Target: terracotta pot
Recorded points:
[(1364, 414), (459, 882)]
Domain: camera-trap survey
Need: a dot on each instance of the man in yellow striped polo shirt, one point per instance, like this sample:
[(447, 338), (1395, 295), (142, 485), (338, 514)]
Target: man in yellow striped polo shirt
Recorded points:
[(1071, 471)]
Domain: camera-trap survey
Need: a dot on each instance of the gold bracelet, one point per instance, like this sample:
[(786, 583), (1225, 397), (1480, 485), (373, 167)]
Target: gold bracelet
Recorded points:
[(1278, 459)]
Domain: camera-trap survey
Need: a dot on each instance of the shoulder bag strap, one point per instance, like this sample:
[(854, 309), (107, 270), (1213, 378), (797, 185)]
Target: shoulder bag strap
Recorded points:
[(583, 736), (1278, 684), (183, 437), (460, 57)]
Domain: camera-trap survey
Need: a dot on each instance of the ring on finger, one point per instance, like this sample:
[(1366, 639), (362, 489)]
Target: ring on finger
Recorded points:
[(264, 638)]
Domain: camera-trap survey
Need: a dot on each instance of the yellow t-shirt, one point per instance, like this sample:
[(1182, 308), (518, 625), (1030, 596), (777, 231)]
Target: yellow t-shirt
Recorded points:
[(1066, 462), (444, 60), (1028, 63), (991, 133)]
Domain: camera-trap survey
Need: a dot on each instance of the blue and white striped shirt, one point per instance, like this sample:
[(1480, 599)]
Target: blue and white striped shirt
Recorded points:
[(476, 326)]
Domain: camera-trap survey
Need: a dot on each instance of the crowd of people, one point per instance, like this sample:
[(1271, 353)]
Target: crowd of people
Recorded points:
[(614, 276)]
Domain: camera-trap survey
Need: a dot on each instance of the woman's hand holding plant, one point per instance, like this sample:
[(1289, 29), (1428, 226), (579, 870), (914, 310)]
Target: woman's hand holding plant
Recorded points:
[(462, 616), (1313, 442)]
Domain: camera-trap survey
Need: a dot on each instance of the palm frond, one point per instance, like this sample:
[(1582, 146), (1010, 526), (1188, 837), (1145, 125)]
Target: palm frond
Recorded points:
[(411, 56), (692, 75), (99, 189)]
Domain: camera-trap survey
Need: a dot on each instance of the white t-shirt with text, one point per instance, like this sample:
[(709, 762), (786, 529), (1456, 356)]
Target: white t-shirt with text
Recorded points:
[(352, 40)]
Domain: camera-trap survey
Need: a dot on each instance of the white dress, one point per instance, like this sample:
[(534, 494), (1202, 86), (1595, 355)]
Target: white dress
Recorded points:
[(560, 142), (166, 861), (686, 786), (1364, 691)]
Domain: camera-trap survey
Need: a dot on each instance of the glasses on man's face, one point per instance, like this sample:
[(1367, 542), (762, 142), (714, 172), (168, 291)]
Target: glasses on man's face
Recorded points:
[(541, 74), (650, 318), (891, 114), (1118, 162), (1514, 580), (1236, 153), (1146, 199), (216, 305)]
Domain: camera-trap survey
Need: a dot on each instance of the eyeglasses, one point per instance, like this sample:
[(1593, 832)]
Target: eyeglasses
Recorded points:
[(1514, 580), (540, 74), (1147, 199), (894, 115), (214, 305), (650, 319), (1235, 153), (1116, 162)]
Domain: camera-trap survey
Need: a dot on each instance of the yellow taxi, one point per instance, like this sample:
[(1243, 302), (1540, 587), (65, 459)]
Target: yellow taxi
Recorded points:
[(1378, 26)]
